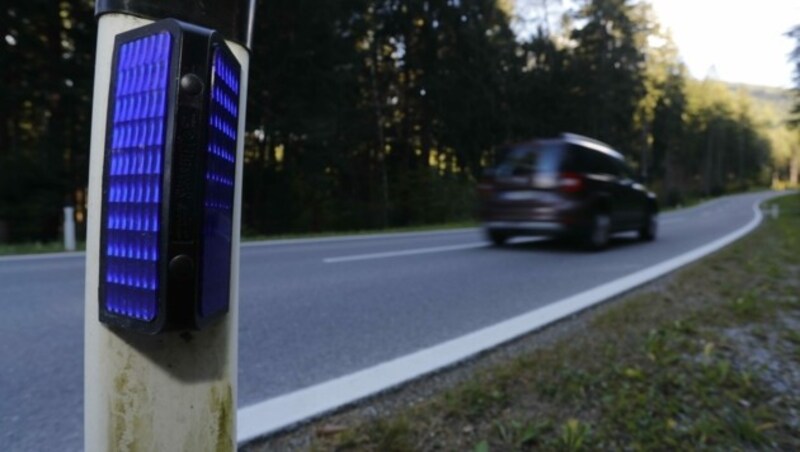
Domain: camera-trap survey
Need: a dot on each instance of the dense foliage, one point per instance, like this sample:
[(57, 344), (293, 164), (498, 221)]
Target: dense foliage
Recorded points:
[(368, 114), (795, 57), (45, 110)]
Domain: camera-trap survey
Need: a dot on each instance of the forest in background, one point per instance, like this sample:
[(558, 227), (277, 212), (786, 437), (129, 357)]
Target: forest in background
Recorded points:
[(374, 114)]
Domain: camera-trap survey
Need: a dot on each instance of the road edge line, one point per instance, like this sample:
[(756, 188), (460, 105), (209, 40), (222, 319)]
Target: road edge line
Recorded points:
[(404, 253), (285, 411)]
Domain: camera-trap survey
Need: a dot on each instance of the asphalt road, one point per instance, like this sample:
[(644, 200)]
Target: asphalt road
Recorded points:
[(313, 310)]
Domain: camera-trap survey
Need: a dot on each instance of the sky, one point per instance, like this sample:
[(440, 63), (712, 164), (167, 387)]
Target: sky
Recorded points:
[(742, 40)]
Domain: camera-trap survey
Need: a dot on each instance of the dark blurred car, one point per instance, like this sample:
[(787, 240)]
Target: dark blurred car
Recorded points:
[(571, 186)]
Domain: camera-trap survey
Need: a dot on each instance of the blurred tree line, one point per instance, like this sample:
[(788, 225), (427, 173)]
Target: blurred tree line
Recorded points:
[(47, 62), (792, 156), (368, 114)]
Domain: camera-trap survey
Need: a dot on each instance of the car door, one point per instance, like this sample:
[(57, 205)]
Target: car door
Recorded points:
[(601, 178), (631, 194)]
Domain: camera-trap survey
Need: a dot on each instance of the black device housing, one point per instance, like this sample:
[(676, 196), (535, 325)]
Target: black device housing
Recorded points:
[(182, 187)]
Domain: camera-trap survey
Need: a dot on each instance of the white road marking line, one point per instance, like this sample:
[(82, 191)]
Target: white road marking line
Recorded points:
[(437, 249), (289, 409)]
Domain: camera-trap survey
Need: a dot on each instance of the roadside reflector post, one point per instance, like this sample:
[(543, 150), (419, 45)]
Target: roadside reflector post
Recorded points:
[(69, 228), (164, 215)]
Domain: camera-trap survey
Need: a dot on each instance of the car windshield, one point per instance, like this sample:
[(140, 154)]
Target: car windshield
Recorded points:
[(531, 159)]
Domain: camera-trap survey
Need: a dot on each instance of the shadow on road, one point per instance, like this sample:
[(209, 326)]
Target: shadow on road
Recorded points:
[(561, 246)]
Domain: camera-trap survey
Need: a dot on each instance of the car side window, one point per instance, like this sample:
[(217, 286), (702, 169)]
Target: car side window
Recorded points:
[(625, 171), (518, 163), (572, 160), (606, 164), (586, 160)]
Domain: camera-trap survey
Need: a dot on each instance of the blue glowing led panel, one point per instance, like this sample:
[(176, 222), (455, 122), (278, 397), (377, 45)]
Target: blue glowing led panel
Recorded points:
[(219, 184), (132, 196)]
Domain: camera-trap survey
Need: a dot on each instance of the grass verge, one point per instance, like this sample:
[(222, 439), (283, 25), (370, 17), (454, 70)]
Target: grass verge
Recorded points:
[(708, 358), (34, 248)]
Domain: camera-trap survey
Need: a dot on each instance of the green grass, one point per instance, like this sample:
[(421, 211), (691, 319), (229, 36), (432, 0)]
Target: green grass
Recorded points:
[(34, 248), (666, 368)]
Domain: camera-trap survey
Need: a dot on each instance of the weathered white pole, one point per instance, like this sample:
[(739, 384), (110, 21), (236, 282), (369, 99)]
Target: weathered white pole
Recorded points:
[(69, 228), (170, 392)]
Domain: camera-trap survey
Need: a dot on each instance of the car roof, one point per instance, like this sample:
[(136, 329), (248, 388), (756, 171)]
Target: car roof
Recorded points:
[(591, 143), (573, 138)]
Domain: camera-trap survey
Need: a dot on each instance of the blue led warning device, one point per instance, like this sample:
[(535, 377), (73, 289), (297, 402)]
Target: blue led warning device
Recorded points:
[(169, 179)]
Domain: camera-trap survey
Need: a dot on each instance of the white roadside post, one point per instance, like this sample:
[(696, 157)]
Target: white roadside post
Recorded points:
[(69, 228), (170, 389), (775, 211)]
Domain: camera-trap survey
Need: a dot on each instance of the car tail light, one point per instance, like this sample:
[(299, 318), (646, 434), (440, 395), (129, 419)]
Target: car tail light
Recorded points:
[(485, 185), (571, 183)]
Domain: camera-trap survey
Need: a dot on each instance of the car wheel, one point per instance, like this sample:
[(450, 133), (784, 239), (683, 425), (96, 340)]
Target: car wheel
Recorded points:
[(600, 232), (649, 228), (497, 238)]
